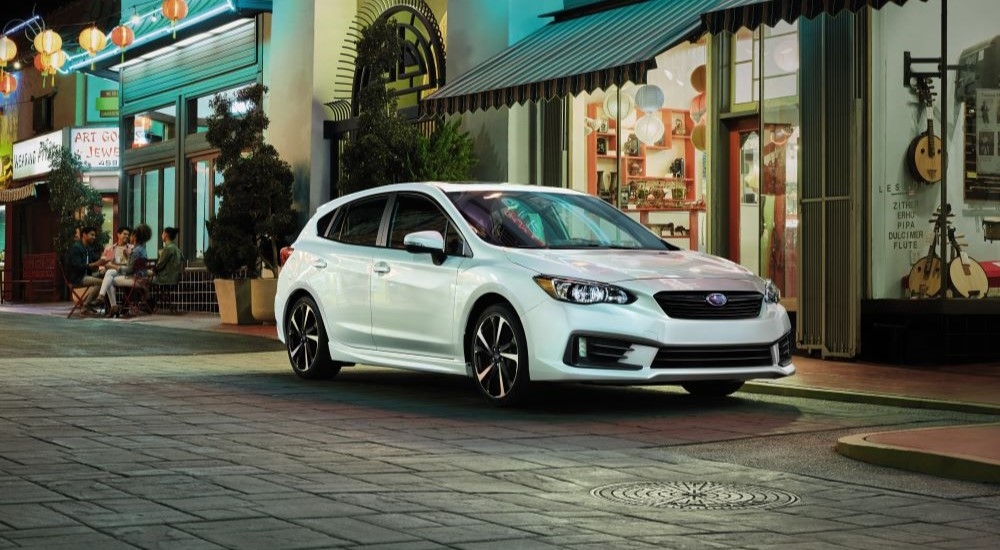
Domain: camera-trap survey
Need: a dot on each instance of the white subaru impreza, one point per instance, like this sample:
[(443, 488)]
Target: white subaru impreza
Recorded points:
[(513, 284)]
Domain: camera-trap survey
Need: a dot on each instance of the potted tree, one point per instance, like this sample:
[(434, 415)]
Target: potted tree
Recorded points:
[(255, 215)]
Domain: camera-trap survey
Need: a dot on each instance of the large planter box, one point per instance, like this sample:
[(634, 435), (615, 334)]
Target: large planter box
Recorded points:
[(262, 292), (234, 301)]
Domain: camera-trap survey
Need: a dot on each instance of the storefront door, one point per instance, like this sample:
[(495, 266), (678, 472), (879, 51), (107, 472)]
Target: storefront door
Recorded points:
[(744, 193)]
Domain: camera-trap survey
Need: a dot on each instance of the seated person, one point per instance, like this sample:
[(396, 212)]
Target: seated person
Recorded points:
[(79, 265), (117, 252), (167, 270), (126, 275)]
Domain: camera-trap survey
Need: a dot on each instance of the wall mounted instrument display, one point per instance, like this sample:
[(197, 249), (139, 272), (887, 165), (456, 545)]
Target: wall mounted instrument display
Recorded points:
[(923, 157), (925, 275), (968, 278)]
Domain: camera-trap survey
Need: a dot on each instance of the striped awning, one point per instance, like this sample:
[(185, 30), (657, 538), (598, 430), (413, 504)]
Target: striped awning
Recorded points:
[(16, 194), (754, 13), (577, 54)]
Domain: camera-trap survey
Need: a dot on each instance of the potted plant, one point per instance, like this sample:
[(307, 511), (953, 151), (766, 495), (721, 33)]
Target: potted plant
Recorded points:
[(255, 215)]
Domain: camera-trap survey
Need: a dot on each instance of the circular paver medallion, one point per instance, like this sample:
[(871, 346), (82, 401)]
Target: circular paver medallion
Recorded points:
[(694, 495)]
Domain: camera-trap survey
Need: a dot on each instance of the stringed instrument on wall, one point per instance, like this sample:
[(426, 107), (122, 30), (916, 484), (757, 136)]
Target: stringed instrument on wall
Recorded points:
[(968, 278), (925, 275), (923, 157)]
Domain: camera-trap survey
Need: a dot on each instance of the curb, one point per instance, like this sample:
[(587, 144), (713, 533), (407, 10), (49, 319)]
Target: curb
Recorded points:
[(940, 464), (869, 398)]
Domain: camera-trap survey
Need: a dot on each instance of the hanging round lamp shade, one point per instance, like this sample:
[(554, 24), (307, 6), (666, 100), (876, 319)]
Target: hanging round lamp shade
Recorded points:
[(92, 40), (40, 64), (8, 50), (697, 79), (174, 10), (617, 104), (649, 128), (8, 84), (698, 137), (48, 41), (54, 61), (122, 36), (649, 98)]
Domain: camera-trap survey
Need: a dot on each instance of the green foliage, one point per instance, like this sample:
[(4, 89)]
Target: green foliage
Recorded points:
[(382, 148), (255, 216), (446, 156), (75, 203)]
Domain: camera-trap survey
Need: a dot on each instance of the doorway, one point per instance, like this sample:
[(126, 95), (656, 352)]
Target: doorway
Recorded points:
[(744, 193)]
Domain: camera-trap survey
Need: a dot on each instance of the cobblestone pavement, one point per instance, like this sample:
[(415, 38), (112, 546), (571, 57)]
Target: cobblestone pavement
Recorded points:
[(233, 451)]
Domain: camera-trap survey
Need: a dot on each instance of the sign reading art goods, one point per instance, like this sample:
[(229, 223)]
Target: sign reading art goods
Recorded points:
[(97, 148)]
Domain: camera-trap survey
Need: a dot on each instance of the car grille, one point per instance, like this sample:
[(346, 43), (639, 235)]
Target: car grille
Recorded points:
[(694, 305), (753, 355)]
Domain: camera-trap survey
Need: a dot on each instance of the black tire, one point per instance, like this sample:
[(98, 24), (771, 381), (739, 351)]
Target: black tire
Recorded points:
[(307, 343), (498, 352), (712, 388)]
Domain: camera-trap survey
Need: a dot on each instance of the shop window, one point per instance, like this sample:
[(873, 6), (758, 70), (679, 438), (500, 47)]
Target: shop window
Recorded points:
[(779, 60), (207, 179), (154, 201), (41, 114), (200, 109), (154, 126)]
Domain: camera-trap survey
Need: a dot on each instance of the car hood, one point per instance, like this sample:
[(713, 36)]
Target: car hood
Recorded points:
[(611, 266)]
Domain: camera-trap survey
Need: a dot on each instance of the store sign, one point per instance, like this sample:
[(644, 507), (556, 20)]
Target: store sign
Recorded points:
[(29, 160), (97, 147)]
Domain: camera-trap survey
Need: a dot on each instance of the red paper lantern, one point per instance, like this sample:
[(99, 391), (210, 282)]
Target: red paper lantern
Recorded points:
[(122, 36), (8, 84), (698, 108), (174, 10)]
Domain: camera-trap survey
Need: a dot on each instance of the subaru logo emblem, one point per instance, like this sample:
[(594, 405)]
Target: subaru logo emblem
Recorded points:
[(716, 299)]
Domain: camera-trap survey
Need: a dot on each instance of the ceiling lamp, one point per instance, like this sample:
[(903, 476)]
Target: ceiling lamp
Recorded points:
[(617, 105), (48, 41), (92, 40), (649, 98), (649, 128), (122, 36), (7, 83), (174, 10), (8, 50)]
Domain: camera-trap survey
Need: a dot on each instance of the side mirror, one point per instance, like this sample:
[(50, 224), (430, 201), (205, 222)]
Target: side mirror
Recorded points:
[(424, 242)]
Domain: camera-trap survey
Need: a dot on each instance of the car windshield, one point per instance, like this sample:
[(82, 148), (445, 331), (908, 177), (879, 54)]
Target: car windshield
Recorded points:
[(539, 219)]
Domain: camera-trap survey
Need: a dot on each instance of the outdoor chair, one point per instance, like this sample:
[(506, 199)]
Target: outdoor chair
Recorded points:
[(136, 297), (76, 293), (163, 297)]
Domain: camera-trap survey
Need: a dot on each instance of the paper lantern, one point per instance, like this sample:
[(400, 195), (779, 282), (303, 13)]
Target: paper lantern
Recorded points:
[(698, 108), (122, 36), (8, 84), (617, 104), (649, 98), (174, 10), (92, 40), (698, 137), (53, 62), (649, 128), (697, 79), (48, 41), (8, 50)]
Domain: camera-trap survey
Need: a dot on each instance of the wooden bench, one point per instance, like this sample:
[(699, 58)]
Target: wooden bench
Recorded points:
[(38, 277)]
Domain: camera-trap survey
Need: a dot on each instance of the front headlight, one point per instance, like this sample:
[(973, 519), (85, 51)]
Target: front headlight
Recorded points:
[(771, 293), (577, 291)]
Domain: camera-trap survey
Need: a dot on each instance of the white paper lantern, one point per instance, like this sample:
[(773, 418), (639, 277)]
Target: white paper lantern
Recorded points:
[(649, 98), (617, 104), (649, 129)]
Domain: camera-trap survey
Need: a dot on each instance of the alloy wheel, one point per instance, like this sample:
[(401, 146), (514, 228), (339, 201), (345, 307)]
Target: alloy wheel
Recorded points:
[(306, 341), (496, 355)]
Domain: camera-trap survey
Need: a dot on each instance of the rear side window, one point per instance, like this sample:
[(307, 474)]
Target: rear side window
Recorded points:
[(323, 224), (360, 222)]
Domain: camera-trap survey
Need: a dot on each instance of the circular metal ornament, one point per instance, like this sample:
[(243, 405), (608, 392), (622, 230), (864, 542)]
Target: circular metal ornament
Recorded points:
[(695, 495)]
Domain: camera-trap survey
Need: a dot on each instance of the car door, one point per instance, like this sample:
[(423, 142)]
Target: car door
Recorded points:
[(345, 270), (412, 298)]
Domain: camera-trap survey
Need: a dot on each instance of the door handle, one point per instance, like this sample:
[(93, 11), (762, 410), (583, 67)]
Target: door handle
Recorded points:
[(319, 264), (381, 268)]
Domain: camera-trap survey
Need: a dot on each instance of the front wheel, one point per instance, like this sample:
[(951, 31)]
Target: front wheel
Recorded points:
[(712, 388), (499, 355), (307, 342)]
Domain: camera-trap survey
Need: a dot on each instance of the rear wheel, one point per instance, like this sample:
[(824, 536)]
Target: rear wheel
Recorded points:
[(712, 388), (307, 342), (499, 355)]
